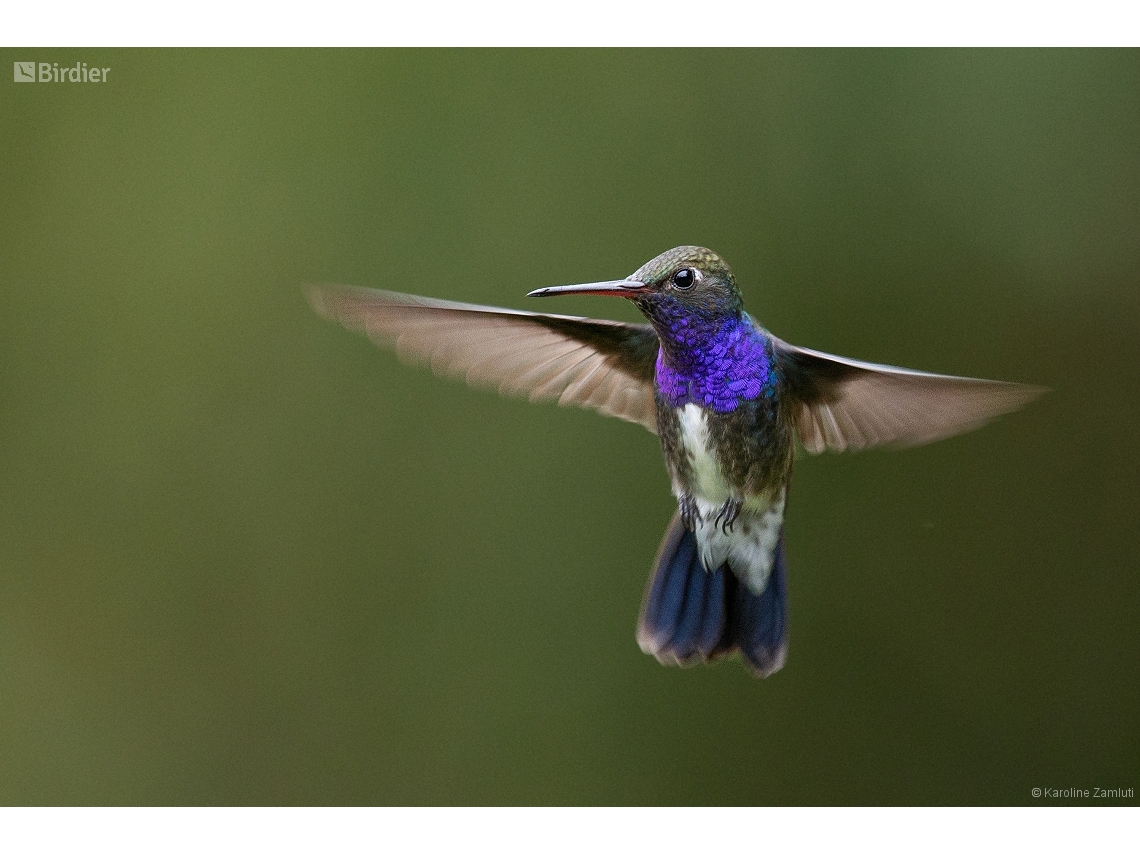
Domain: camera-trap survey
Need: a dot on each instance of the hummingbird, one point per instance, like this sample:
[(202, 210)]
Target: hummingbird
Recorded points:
[(728, 401)]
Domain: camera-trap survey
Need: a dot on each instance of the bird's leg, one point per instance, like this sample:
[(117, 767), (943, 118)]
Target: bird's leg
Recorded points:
[(690, 513), (728, 513)]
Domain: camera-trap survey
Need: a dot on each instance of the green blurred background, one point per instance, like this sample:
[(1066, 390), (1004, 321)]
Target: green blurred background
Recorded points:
[(247, 558)]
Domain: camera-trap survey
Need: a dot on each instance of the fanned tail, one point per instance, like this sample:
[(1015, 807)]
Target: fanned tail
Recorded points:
[(690, 614)]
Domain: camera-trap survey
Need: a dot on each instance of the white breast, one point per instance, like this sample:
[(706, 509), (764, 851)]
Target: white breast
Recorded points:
[(710, 489)]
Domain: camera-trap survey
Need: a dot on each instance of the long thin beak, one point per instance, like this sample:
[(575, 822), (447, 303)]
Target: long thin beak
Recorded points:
[(616, 288)]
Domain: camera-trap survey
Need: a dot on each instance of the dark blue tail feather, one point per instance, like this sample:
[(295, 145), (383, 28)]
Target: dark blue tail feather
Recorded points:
[(690, 614), (758, 624)]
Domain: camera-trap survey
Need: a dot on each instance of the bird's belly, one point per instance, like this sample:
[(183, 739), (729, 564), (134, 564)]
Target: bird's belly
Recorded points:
[(707, 484), (749, 546)]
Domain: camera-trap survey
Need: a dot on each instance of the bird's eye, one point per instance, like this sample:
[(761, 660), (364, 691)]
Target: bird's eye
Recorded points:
[(684, 278)]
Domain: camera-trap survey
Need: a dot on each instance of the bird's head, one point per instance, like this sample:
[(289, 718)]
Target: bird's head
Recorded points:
[(688, 285)]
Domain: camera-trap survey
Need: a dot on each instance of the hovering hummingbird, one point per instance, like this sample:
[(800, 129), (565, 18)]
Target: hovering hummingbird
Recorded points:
[(726, 398)]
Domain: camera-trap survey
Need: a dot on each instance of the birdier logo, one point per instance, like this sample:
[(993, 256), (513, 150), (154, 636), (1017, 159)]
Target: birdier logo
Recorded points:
[(51, 72)]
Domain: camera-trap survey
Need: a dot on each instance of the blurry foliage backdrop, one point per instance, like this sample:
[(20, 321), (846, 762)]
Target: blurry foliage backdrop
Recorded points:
[(247, 558)]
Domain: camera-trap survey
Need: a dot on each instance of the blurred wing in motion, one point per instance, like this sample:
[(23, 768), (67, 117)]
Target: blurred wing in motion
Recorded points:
[(604, 365), (846, 404)]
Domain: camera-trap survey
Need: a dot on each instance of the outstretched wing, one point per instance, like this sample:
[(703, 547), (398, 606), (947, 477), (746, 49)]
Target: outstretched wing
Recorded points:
[(604, 365), (847, 404)]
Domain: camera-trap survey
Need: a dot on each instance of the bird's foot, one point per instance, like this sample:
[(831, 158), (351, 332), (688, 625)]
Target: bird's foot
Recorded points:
[(728, 513), (690, 513)]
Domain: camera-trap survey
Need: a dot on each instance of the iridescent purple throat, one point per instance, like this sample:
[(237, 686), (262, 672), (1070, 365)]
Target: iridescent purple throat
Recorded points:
[(718, 367)]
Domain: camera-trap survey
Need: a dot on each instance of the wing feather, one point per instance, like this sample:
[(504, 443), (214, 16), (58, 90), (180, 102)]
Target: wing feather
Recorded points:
[(603, 365), (847, 404)]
